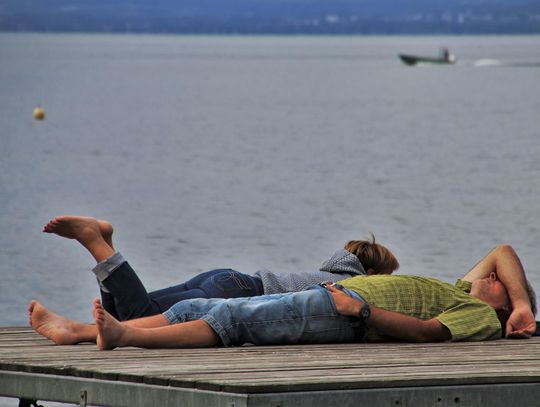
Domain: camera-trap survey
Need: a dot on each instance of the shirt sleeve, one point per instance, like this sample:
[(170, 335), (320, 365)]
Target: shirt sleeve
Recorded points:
[(471, 321)]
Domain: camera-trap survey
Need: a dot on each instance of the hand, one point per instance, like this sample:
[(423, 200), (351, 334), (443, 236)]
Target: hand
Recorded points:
[(521, 324), (345, 304)]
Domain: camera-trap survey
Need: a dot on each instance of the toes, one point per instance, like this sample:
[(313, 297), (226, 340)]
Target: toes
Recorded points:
[(50, 226)]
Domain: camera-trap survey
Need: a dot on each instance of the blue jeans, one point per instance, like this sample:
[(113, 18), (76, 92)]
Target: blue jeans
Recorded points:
[(127, 298), (279, 319)]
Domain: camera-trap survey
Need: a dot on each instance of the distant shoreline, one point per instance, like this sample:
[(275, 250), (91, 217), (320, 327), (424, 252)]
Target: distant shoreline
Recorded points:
[(281, 34), (274, 17)]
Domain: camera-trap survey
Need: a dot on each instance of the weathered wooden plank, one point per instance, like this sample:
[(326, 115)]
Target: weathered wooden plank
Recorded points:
[(251, 369), (185, 365), (365, 349)]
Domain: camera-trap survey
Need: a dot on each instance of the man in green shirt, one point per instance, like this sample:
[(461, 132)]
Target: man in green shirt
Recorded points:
[(492, 298), (464, 316), (493, 295)]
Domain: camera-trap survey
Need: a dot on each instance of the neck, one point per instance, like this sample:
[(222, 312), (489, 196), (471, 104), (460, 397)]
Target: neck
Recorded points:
[(486, 299)]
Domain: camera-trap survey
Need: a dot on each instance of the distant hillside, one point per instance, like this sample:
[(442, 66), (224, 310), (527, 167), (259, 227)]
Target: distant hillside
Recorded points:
[(273, 16)]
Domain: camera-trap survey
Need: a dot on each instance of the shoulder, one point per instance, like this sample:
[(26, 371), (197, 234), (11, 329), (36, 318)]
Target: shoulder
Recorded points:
[(471, 320)]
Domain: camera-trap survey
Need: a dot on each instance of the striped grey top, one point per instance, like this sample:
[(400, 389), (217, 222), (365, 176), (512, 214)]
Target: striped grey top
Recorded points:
[(342, 264)]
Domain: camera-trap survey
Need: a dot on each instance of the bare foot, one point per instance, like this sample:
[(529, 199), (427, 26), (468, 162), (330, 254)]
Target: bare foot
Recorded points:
[(106, 229), (95, 235), (58, 329), (110, 331), (77, 227)]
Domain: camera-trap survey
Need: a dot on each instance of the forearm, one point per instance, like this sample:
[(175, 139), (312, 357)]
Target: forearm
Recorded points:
[(510, 272), (391, 323), (504, 262), (408, 328)]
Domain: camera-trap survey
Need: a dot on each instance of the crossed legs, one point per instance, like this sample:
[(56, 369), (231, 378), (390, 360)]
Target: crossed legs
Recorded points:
[(151, 332), (109, 333)]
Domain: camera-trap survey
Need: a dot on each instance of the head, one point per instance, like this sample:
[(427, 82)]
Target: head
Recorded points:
[(492, 291), (375, 258)]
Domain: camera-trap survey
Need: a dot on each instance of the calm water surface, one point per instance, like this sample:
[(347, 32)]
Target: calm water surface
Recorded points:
[(251, 152)]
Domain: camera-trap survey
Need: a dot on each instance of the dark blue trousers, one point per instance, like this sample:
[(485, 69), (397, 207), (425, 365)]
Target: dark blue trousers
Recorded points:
[(128, 299)]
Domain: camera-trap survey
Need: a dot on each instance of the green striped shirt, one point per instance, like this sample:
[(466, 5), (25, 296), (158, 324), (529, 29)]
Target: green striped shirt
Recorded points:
[(467, 318)]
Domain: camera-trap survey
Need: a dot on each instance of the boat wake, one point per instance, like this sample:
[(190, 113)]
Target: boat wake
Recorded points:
[(496, 62), (488, 62)]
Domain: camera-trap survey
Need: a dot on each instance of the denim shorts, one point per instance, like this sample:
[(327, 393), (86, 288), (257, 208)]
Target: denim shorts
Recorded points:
[(305, 317)]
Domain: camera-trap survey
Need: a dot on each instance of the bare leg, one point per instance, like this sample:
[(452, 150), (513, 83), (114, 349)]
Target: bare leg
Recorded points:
[(95, 235), (63, 331), (112, 333), (60, 330)]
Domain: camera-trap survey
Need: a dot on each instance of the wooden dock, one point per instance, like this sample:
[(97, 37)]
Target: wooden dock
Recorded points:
[(496, 373)]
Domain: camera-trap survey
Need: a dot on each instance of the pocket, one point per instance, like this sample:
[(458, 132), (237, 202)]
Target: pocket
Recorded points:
[(230, 281), (318, 303)]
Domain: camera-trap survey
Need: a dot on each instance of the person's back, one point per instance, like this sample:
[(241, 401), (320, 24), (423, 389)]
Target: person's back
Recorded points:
[(466, 317), (358, 257), (343, 264)]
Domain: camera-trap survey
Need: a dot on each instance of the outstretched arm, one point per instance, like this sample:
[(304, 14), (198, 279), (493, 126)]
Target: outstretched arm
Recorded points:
[(391, 323), (504, 261), (408, 328)]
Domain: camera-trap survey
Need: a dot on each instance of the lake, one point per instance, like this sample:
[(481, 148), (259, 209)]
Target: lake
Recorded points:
[(262, 152)]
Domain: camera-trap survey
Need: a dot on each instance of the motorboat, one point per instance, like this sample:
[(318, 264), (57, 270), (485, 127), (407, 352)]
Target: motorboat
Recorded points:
[(444, 58)]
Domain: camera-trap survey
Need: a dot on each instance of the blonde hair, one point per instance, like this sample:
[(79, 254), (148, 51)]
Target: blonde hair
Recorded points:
[(373, 256)]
